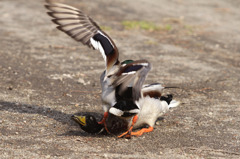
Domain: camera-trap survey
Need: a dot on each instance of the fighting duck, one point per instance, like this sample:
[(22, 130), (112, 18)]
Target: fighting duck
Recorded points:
[(123, 93), (151, 110)]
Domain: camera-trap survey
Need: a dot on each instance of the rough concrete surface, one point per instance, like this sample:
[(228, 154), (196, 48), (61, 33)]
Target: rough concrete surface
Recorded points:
[(45, 77)]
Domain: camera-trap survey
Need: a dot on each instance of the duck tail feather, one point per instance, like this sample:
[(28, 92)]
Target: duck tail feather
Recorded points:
[(173, 104)]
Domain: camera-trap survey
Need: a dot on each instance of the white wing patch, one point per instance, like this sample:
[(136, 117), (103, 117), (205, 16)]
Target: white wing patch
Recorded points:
[(97, 45), (116, 111), (134, 111), (157, 87), (143, 64), (128, 73)]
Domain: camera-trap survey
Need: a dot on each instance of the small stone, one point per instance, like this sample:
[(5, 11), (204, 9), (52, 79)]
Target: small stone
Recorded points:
[(81, 81), (69, 95), (158, 123)]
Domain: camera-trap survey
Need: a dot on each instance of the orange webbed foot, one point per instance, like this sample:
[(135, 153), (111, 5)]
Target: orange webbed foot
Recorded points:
[(128, 133), (143, 130)]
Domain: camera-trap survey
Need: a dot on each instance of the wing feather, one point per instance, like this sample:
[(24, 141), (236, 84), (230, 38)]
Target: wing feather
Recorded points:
[(132, 75), (82, 28)]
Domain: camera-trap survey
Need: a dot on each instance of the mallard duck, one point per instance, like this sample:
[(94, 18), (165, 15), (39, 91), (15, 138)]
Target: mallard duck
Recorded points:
[(123, 93), (151, 110), (83, 29), (152, 105), (89, 124)]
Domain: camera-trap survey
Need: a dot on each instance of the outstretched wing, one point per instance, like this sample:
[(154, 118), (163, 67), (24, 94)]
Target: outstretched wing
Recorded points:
[(131, 77), (82, 28)]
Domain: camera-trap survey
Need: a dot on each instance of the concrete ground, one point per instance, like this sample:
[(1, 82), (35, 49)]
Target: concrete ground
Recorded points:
[(45, 77)]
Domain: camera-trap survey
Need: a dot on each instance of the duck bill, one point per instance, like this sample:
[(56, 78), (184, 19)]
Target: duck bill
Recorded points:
[(79, 119)]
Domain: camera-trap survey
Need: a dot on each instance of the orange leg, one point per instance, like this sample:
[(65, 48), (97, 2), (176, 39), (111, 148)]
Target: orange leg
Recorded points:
[(103, 121), (143, 130), (105, 115), (128, 133)]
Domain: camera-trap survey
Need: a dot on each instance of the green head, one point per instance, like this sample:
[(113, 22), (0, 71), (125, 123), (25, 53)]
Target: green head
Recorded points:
[(88, 123), (127, 62)]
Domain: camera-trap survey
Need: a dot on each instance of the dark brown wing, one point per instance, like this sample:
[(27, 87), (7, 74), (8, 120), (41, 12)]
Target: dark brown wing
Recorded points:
[(132, 75), (73, 22), (82, 28)]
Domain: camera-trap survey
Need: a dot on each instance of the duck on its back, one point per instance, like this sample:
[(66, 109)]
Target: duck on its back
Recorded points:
[(152, 109), (152, 106)]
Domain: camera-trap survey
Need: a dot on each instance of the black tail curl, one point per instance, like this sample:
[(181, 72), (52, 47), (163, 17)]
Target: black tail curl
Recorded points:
[(167, 98)]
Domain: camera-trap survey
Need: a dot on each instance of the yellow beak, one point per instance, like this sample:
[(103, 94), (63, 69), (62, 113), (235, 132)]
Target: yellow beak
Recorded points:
[(79, 119)]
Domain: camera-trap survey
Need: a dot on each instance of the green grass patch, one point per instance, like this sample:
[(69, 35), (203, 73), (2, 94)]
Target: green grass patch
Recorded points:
[(145, 25), (140, 25), (168, 27)]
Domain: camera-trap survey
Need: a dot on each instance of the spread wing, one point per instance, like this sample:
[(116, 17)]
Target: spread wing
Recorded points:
[(132, 76), (83, 29)]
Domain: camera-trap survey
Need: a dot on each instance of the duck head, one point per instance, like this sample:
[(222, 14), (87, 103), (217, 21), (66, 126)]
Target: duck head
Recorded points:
[(88, 123)]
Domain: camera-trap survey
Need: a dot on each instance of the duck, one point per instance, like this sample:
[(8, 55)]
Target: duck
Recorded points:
[(89, 124), (146, 118), (123, 92), (85, 30)]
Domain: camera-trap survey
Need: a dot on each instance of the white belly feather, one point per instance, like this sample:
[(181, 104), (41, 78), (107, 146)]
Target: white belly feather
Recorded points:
[(150, 110)]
